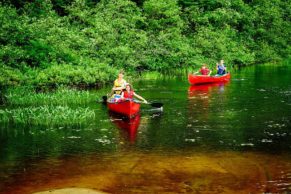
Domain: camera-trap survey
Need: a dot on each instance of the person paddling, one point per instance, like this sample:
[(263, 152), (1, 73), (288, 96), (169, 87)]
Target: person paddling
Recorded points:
[(129, 93), (221, 68), (204, 70)]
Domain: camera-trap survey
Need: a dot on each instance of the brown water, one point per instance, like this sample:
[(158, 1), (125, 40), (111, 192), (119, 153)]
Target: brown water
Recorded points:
[(222, 138), (131, 172)]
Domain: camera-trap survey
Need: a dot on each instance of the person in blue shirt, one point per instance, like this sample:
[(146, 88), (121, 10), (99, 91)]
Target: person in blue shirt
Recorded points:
[(221, 68)]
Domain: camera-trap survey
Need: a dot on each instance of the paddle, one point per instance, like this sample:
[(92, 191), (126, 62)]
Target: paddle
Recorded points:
[(156, 104), (153, 104), (104, 99)]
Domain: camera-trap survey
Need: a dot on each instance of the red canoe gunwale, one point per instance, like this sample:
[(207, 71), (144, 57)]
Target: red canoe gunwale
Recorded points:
[(126, 108), (204, 79)]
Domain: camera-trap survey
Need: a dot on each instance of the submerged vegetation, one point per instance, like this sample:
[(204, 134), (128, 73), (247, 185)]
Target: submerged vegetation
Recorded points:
[(85, 42)]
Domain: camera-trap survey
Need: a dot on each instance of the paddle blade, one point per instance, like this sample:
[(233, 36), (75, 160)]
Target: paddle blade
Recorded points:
[(157, 104), (104, 98)]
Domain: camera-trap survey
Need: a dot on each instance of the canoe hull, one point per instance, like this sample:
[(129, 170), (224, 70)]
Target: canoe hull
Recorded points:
[(126, 108), (205, 79)]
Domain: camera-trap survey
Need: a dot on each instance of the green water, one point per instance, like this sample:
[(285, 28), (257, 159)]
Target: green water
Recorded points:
[(249, 114)]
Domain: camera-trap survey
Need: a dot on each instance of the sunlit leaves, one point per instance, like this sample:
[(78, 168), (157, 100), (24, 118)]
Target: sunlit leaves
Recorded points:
[(62, 42)]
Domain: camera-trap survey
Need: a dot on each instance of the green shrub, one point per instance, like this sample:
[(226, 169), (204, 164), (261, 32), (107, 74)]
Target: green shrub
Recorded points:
[(10, 76), (84, 42)]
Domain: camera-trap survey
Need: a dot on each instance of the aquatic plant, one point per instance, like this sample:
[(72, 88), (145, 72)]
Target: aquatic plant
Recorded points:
[(23, 96), (47, 115)]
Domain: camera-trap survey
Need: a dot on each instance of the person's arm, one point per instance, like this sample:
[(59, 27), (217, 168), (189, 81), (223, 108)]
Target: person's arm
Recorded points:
[(122, 95), (139, 97)]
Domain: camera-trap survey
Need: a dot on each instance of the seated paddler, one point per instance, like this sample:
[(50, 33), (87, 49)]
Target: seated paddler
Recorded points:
[(129, 94)]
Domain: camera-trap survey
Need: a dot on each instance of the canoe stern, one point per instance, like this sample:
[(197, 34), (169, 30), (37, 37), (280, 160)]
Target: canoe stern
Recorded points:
[(127, 108)]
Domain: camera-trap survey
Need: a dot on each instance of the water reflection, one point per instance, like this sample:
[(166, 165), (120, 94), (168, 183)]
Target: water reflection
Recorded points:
[(200, 96), (130, 125), (228, 137), (205, 89)]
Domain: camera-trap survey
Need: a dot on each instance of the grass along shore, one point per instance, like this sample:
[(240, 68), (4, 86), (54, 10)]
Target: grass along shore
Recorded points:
[(23, 96), (56, 108)]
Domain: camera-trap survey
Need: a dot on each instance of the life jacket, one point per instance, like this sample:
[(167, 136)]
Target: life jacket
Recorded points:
[(128, 95), (220, 70), (119, 84), (204, 71)]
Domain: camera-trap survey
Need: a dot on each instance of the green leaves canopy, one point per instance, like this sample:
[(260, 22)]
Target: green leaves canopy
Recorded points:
[(52, 42)]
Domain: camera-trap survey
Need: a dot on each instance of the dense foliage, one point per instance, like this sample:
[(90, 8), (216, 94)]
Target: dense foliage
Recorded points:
[(85, 42)]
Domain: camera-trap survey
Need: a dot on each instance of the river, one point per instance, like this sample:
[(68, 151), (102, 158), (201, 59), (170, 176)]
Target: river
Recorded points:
[(232, 137)]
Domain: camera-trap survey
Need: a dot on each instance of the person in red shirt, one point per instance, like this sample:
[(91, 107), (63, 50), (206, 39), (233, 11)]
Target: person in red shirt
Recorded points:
[(129, 93), (204, 70)]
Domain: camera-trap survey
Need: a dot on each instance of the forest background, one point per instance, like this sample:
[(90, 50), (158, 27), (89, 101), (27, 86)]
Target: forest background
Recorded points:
[(85, 42)]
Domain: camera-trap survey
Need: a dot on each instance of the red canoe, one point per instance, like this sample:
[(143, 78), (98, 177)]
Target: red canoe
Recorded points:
[(203, 79), (127, 108)]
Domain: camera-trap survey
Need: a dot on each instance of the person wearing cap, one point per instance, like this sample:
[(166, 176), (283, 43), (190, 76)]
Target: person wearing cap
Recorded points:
[(128, 94)]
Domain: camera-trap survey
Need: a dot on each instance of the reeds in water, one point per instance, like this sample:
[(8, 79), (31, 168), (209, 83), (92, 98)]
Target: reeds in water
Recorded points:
[(47, 115), (62, 96)]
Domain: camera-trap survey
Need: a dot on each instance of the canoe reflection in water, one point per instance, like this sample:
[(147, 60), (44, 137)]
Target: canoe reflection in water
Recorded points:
[(204, 89), (203, 97), (129, 125)]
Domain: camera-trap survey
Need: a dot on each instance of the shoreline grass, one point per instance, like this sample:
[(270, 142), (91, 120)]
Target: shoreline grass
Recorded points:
[(63, 96), (47, 115)]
